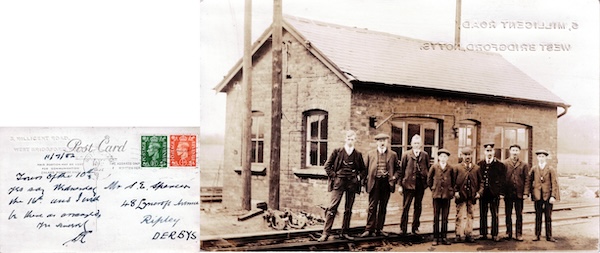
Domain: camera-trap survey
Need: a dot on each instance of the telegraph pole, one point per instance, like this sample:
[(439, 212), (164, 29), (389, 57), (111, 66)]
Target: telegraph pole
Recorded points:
[(276, 106), (457, 25), (247, 109)]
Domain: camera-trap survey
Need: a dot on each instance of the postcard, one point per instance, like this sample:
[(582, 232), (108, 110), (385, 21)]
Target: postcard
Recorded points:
[(99, 190)]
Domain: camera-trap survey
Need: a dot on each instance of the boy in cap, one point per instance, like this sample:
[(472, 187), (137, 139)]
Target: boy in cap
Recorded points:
[(542, 184), (493, 175), (466, 192), (414, 167), (441, 182), (516, 175), (382, 165)]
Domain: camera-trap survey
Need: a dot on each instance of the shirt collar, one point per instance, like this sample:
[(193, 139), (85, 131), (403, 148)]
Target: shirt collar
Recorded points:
[(349, 150), (542, 165), (416, 152), (381, 150)]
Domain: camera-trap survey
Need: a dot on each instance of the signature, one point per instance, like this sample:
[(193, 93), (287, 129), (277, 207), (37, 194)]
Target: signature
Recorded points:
[(81, 236)]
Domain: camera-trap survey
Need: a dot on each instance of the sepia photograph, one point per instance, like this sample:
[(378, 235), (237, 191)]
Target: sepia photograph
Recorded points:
[(399, 125)]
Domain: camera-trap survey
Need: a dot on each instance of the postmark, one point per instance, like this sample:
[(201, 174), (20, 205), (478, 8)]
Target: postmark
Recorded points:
[(154, 151), (183, 150), (98, 161)]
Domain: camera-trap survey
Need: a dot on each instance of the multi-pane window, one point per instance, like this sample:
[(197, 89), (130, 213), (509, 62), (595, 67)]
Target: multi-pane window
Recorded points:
[(507, 134), (467, 137), (258, 137), (405, 128), (316, 138)]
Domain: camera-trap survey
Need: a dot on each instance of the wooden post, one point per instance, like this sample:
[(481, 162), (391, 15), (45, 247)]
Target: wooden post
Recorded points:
[(247, 109), (276, 106), (457, 25)]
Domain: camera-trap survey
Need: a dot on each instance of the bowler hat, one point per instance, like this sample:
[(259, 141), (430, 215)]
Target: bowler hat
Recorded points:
[(443, 151), (491, 144), (541, 151), (466, 150), (381, 136)]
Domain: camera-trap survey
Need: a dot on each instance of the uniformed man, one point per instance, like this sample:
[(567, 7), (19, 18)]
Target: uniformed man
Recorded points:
[(466, 192), (343, 168), (542, 184), (382, 166), (493, 176), (516, 175)]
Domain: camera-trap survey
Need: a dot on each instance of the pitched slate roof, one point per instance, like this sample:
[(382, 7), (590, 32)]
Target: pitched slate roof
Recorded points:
[(376, 57)]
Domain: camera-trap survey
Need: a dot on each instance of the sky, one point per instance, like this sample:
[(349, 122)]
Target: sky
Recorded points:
[(156, 62), (572, 74)]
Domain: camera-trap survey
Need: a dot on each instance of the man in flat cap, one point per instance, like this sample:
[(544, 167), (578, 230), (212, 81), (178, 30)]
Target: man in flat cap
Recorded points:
[(382, 166), (466, 192), (441, 181), (343, 168), (493, 176), (542, 184), (414, 167), (516, 176)]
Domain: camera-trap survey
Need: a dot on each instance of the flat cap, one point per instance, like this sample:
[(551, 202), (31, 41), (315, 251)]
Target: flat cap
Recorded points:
[(381, 136), (515, 146), (491, 144), (541, 151), (466, 150), (444, 151)]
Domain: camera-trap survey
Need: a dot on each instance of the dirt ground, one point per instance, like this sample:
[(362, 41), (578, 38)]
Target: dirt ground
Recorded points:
[(580, 235)]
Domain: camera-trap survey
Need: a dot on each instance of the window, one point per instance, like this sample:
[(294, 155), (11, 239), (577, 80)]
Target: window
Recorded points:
[(258, 137), (405, 128), (508, 134), (467, 137), (316, 138)]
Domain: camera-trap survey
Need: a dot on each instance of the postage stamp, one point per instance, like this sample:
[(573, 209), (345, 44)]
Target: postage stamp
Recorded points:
[(183, 150), (154, 151)]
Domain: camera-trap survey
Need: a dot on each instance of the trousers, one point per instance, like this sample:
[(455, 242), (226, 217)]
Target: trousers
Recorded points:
[(407, 197), (464, 218), (378, 201), (441, 207), (517, 203), (336, 198), (543, 206)]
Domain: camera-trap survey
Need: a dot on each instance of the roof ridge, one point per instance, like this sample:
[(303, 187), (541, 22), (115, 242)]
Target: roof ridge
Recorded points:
[(397, 36)]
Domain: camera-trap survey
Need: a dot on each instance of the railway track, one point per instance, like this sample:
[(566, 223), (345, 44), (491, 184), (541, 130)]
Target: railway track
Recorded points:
[(305, 240)]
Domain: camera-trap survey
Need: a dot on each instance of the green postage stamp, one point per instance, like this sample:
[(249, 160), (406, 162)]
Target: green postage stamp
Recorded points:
[(154, 151)]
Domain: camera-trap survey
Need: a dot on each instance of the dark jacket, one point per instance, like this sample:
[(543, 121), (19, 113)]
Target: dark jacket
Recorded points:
[(410, 166), (441, 181), (542, 184), (462, 173), (334, 164), (371, 164), (516, 175), (497, 177)]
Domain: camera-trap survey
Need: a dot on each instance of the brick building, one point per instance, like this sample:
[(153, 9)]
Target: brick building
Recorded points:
[(337, 78)]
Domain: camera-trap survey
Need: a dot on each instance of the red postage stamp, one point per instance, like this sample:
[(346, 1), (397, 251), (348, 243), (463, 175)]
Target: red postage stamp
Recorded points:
[(183, 150)]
